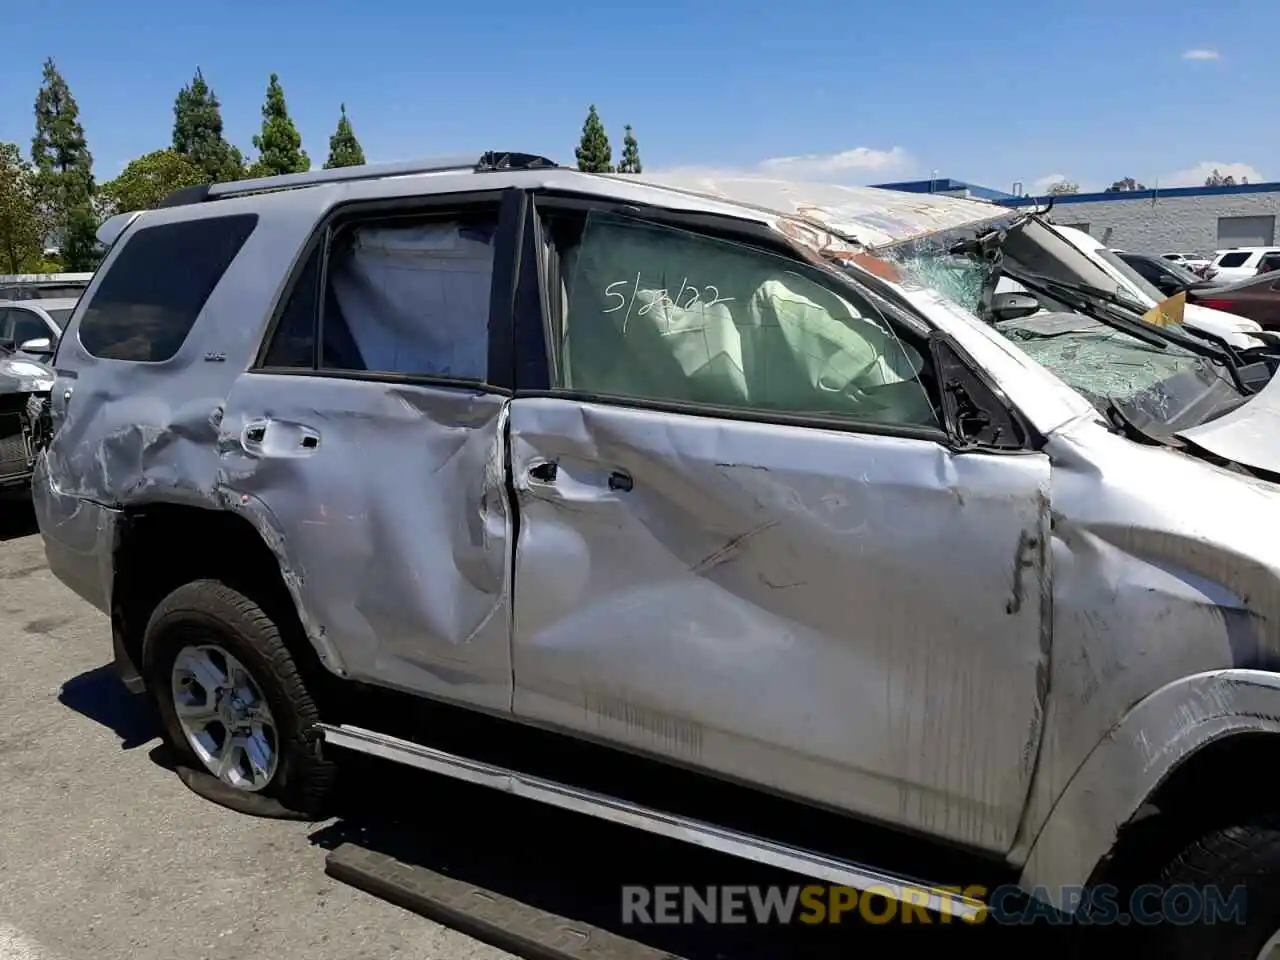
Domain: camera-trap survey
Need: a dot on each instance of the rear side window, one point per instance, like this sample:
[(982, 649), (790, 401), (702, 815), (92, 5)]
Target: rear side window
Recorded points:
[(406, 297), (148, 301), (1233, 259)]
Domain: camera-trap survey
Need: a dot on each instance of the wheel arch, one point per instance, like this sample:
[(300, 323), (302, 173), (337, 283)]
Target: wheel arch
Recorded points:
[(160, 546), (1145, 778)]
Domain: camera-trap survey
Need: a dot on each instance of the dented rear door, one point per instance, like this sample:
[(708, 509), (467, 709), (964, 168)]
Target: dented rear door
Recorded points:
[(845, 615), (376, 449)]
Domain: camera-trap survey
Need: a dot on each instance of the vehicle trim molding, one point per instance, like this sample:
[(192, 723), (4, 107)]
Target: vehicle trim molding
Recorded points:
[(673, 826)]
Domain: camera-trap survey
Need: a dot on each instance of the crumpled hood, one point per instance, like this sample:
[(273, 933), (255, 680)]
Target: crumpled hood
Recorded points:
[(1248, 435), (24, 375)]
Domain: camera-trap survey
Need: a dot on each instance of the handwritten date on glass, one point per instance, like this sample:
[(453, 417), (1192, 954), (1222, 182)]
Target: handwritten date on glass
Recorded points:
[(688, 297)]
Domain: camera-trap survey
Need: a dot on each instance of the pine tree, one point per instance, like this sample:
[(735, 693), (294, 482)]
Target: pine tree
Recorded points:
[(64, 171), (630, 162), (197, 132), (344, 148), (279, 144), (593, 152)]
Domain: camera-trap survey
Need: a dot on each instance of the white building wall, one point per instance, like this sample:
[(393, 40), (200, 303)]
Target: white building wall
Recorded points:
[(1164, 224)]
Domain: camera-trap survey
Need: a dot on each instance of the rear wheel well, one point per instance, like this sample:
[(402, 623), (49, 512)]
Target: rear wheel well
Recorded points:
[(1218, 785), (162, 546)]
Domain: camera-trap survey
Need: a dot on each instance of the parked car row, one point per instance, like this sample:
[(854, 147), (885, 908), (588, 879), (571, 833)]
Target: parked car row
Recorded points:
[(1255, 296), (34, 310), (1227, 265)]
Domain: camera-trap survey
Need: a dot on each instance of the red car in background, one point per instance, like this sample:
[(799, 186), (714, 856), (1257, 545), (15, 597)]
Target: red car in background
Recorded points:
[(1257, 298)]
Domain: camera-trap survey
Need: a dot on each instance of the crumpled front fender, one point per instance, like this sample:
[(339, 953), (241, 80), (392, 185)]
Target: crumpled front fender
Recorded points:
[(1158, 734)]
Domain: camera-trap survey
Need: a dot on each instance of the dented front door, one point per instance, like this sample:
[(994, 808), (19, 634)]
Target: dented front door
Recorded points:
[(858, 620)]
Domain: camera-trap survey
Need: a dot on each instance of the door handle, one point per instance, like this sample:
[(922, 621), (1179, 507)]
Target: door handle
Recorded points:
[(253, 435), (279, 438), (544, 472)]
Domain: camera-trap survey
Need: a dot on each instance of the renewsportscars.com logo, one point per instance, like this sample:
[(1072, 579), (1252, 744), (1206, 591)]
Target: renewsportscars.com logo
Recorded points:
[(820, 904)]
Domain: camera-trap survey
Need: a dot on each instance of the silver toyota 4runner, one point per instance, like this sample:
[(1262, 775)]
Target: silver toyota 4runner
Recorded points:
[(718, 481)]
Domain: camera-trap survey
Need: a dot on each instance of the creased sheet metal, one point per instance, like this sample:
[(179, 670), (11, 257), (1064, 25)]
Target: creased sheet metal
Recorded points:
[(870, 216), (785, 606), (1248, 435)]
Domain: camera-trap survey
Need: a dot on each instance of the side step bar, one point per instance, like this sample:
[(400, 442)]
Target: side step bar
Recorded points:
[(673, 826)]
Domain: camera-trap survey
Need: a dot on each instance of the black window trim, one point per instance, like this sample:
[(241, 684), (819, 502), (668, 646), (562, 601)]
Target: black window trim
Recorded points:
[(85, 303), (752, 234), (504, 294)]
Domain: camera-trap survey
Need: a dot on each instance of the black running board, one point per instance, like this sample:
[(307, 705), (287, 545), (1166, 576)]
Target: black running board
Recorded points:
[(673, 826), (483, 914)]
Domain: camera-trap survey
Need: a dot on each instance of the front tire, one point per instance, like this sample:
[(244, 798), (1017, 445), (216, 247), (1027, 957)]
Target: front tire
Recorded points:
[(233, 704)]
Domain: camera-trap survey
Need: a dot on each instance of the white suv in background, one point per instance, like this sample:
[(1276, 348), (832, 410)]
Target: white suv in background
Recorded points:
[(1239, 263)]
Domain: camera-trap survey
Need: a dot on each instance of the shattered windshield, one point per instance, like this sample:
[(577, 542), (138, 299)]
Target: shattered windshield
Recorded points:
[(1169, 385), (1158, 381)]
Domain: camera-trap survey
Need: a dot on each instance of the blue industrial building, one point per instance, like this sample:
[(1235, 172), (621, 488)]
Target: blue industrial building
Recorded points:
[(1161, 220)]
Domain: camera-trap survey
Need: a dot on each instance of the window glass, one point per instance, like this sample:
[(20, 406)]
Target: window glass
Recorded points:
[(410, 297), (149, 299), (294, 342), (663, 314), (1233, 259), (28, 326)]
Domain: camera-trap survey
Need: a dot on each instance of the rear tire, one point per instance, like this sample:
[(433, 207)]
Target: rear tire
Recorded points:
[(1245, 857), (233, 703)]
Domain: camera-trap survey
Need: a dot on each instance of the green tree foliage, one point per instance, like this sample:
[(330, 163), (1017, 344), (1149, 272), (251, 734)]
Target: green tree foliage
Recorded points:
[(1216, 179), (1063, 188), (197, 133), (149, 179), (22, 227), (630, 162), (344, 148), (279, 144), (593, 151), (64, 171)]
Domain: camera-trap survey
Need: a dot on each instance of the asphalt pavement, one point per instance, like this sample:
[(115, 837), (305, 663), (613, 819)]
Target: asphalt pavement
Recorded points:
[(105, 854)]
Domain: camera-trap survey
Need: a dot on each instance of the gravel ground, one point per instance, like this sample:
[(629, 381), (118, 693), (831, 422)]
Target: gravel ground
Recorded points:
[(104, 853)]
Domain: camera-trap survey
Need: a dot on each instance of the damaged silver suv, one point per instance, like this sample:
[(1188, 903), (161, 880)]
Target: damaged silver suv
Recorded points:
[(681, 503)]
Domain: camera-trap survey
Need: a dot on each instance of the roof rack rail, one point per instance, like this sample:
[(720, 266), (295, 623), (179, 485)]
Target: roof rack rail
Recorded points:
[(488, 162)]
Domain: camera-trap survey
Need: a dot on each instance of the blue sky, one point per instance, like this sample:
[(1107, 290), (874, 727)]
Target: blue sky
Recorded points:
[(990, 92)]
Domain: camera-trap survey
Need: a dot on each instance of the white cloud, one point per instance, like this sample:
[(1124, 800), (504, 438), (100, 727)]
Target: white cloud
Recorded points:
[(858, 165), (1042, 184), (1201, 54), (1196, 176), (855, 162)]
